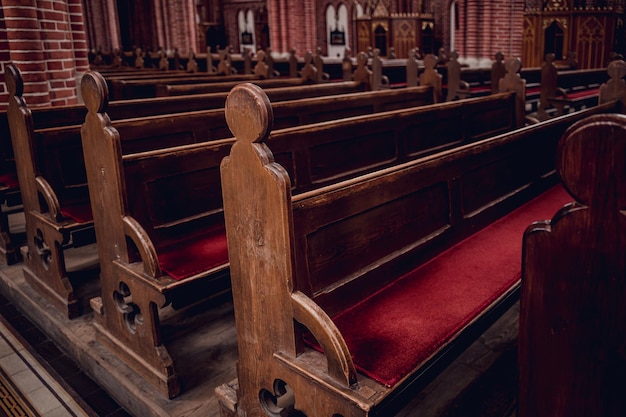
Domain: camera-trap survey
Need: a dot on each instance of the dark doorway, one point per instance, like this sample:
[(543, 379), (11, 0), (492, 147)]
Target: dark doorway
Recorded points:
[(554, 40), (380, 40), (215, 38), (125, 11)]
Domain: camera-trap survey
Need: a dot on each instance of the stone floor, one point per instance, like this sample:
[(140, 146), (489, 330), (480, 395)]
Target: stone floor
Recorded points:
[(481, 382)]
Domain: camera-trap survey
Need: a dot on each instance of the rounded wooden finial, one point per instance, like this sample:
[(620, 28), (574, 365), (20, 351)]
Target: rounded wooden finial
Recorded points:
[(13, 80), (591, 159), (361, 59), (513, 65), (249, 113), (617, 69), (430, 61), (95, 92)]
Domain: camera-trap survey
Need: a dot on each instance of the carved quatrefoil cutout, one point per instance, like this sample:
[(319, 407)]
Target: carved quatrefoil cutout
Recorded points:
[(281, 403), (43, 250), (131, 311)]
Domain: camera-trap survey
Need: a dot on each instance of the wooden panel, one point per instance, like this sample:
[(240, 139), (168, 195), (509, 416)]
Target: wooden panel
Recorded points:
[(336, 158), (438, 130), (175, 193), (351, 246)]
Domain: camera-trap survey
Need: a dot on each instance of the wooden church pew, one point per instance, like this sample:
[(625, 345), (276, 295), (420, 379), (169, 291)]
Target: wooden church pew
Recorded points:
[(308, 75), (380, 140), (572, 332), (44, 118), (207, 83), (50, 117), (124, 89), (568, 90), (55, 162), (388, 274)]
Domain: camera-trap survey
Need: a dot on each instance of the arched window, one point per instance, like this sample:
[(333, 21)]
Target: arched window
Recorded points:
[(247, 37), (337, 30), (454, 23)]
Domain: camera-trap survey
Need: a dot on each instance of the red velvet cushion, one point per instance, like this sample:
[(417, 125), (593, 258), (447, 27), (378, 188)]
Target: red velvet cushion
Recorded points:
[(80, 212), (194, 256), (583, 93), (397, 329), (8, 180)]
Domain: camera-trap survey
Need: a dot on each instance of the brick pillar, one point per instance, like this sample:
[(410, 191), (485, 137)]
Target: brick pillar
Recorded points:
[(176, 25), (102, 26), (79, 35), (472, 33), (292, 24), (26, 49), (58, 51), (310, 33), (47, 42), (5, 56)]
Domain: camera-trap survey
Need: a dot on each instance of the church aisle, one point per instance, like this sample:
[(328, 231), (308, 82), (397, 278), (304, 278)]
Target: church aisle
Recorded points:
[(37, 379)]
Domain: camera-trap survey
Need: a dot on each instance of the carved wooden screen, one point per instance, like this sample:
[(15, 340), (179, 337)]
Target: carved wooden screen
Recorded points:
[(554, 38), (591, 42), (381, 38), (404, 36), (530, 56), (363, 35)]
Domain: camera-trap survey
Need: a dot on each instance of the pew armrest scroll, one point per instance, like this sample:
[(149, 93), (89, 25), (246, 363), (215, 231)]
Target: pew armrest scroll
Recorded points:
[(52, 201), (308, 313), (143, 243)]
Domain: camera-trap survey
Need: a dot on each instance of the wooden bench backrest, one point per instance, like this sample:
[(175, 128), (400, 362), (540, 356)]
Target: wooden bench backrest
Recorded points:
[(122, 89), (174, 194), (572, 349), (325, 152), (62, 167), (347, 230), (163, 90), (151, 178), (61, 153)]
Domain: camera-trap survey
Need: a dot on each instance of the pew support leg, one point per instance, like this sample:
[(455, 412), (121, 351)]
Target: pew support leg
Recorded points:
[(9, 252), (44, 263), (127, 322), (298, 384), (9, 248)]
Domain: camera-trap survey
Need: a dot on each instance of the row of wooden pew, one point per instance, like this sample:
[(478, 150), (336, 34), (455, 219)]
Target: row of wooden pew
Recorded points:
[(151, 187), (157, 169), (347, 298), (550, 90)]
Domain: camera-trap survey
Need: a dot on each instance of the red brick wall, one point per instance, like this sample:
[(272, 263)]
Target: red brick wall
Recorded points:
[(484, 28), (292, 24), (102, 25), (5, 56), (175, 25), (46, 40)]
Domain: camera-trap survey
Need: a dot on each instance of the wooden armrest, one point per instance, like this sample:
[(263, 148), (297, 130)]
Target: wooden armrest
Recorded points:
[(146, 249), (340, 365), (50, 197)]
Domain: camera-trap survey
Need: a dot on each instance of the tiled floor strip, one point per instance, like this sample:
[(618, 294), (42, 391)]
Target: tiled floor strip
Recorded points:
[(41, 394)]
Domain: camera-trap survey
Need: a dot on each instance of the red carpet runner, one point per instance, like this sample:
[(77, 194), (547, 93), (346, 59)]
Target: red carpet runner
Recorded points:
[(397, 329)]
